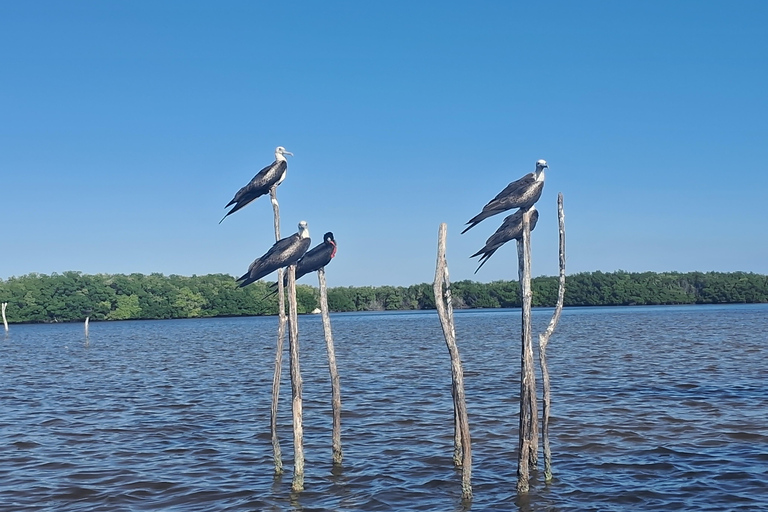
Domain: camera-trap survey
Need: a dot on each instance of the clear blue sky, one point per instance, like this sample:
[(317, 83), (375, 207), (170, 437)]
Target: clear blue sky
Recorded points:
[(125, 127)]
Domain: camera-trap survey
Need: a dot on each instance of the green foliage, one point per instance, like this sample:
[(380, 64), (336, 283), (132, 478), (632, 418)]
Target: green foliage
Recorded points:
[(307, 298), (72, 296), (127, 307)]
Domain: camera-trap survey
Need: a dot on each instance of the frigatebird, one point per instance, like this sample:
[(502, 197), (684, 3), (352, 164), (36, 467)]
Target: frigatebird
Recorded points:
[(317, 257), (270, 176), (510, 229), (518, 194), (285, 252)]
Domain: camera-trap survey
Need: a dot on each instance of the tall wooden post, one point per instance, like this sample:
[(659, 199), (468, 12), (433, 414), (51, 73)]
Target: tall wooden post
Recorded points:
[(335, 382), (282, 320), (527, 379), (5, 321), (462, 450), (296, 386), (87, 319), (544, 339)]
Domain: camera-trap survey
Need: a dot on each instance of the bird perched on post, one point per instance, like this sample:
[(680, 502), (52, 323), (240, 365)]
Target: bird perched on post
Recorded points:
[(270, 176), (510, 229), (285, 252), (315, 259), (518, 194)]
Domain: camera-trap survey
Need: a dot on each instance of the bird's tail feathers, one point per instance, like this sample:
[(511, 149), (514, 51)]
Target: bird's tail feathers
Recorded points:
[(271, 293), (477, 219), (485, 258), (478, 253)]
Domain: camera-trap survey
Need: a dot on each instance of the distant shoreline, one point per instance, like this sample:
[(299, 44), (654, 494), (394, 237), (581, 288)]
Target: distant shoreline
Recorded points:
[(73, 296)]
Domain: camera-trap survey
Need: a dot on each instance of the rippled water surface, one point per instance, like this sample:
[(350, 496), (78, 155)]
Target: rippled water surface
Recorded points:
[(659, 408)]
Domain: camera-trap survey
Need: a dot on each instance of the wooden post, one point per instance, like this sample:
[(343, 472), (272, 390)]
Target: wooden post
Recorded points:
[(544, 339), (293, 343), (5, 321), (86, 325), (335, 384), (462, 449), (282, 320), (527, 383)]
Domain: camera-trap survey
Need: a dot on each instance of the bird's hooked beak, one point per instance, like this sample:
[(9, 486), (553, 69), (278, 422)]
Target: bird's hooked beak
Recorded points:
[(284, 152)]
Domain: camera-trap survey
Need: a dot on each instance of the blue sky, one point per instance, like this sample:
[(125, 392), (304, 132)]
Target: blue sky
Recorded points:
[(125, 127)]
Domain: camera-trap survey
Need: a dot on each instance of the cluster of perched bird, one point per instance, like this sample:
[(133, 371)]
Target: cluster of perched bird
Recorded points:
[(287, 251), (522, 194)]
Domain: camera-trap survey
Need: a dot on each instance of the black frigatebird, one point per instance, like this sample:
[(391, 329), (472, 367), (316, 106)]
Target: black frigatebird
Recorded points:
[(315, 258), (270, 176), (285, 252), (518, 194), (510, 229)]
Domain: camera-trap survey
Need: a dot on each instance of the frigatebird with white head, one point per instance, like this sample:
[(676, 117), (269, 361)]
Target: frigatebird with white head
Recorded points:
[(518, 194), (270, 176), (315, 259), (285, 252), (510, 229)]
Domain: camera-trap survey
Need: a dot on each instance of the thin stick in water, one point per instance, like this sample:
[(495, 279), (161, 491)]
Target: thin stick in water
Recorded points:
[(544, 340), (282, 320), (296, 386), (5, 320), (462, 440), (527, 385), (335, 381)]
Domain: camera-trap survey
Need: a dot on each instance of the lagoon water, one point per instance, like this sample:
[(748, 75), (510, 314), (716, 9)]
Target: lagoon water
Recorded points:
[(654, 408)]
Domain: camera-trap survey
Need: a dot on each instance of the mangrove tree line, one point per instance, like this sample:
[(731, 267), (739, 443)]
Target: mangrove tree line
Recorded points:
[(71, 296)]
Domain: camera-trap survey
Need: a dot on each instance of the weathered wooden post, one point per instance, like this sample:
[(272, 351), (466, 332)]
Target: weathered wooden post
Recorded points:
[(5, 320), (86, 325), (527, 378), (335, 382), (462, 447), (544, 340), (282, 319), (297, 483)]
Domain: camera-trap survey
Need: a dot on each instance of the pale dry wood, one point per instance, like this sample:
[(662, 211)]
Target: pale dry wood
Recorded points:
[(87, 319), (462, 439), (527, 382), (282, 320), (544, 340), (5, 320), (297, 483), (335, 381)]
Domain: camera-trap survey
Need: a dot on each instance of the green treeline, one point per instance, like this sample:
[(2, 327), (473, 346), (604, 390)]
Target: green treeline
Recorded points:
[(72, 296)]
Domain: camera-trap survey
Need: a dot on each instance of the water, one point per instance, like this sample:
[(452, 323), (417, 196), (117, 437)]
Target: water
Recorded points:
[(655, 408)]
